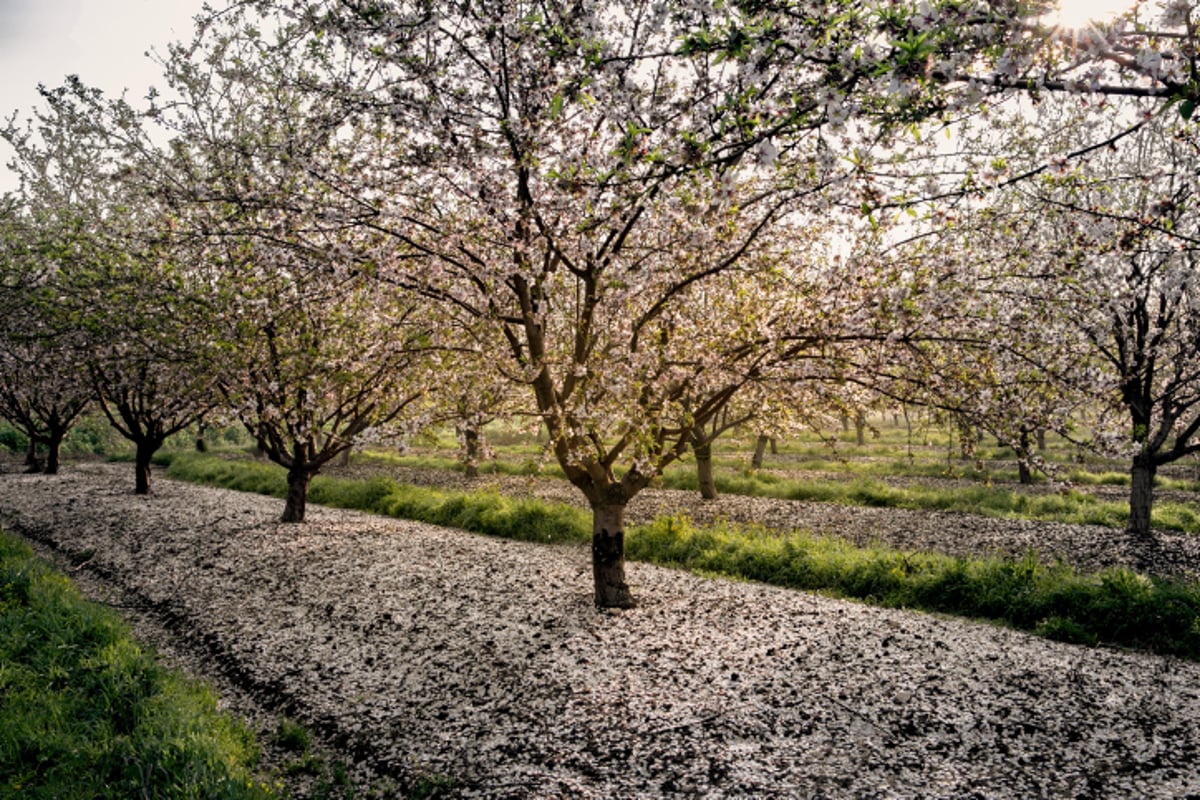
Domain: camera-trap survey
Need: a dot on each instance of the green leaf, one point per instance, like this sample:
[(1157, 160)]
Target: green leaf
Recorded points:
[(556, 106), (1187, 108)]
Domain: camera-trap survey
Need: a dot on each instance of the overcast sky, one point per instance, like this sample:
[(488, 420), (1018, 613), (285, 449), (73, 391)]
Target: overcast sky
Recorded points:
[(102, 41)]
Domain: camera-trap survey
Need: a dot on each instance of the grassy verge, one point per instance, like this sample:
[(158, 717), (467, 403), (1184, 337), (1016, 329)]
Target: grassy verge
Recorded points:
[(85, 713), (995, 501), (1070, 507), (1117, 607)]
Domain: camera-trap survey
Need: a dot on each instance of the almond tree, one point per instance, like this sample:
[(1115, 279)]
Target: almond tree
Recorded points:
[(124, 290), (573, 178), (319, 352), (321, 363), (43, 384), (1070, 293), (1126, 238)]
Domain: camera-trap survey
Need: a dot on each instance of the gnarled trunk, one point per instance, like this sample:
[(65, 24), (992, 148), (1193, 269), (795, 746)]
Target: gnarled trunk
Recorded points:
[(33, 464), (1024, 474), (141, 466), (53, 451), (298, 478), (760, 450), (471, 454), (704, 471), (1141, 496), (608, 555)]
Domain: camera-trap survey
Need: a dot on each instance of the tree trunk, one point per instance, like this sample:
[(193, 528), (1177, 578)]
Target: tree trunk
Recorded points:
[(760, 450), (774, 447), (1041, 440), (860, 428), (1024, 474), (704, 471), (141, 466), (32, 462), (298, 479), (53, 452), (1141, 497), (471, 445), (608, 555)]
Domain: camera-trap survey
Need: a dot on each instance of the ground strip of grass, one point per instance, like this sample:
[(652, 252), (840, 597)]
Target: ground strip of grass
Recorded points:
[(87, 713), (1072, 507), (1116, 607)]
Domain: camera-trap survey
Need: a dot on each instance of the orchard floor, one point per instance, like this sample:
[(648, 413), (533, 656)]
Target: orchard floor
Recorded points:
[(415, 650)]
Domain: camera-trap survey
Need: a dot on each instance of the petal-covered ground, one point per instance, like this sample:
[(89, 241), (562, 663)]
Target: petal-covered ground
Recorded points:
[(427, 650)]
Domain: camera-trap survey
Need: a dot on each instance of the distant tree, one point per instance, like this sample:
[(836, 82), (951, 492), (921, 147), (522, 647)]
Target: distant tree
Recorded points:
[(124, 290), (319, 351)]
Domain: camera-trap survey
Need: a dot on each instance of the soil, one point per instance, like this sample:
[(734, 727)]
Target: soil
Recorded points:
[(414, 650)]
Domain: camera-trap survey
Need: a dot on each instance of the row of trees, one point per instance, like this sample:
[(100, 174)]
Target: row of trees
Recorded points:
[(633, 224)]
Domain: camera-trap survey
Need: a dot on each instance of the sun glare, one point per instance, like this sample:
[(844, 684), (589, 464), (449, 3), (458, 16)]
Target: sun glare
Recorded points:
[(1076, 14)]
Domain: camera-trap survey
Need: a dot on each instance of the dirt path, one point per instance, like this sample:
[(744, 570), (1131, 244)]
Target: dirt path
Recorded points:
[(425, 650)]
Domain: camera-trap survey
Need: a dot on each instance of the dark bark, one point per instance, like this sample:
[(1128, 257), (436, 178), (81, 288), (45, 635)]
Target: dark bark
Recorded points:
[(53, 451), (608, 555), (32, 462), (141, 467), (704, 471), (1041, 440), (471, 452), (860, 428), (1025, 475), (774, 447), (298, 477), (760, 450), (1141, 496), (968, 438)]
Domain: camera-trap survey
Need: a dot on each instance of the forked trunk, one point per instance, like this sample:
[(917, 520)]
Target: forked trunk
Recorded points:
[(760, 450), (704, 471), (141, 467), (297, 496), (1141, 497), (608, 556)]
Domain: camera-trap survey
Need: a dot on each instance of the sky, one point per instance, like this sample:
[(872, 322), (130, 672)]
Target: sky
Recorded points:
[(102, 41)]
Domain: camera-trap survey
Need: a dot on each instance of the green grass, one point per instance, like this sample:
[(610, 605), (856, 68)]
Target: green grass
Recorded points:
[(86, 713), (1116, 607), (481, 512)]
